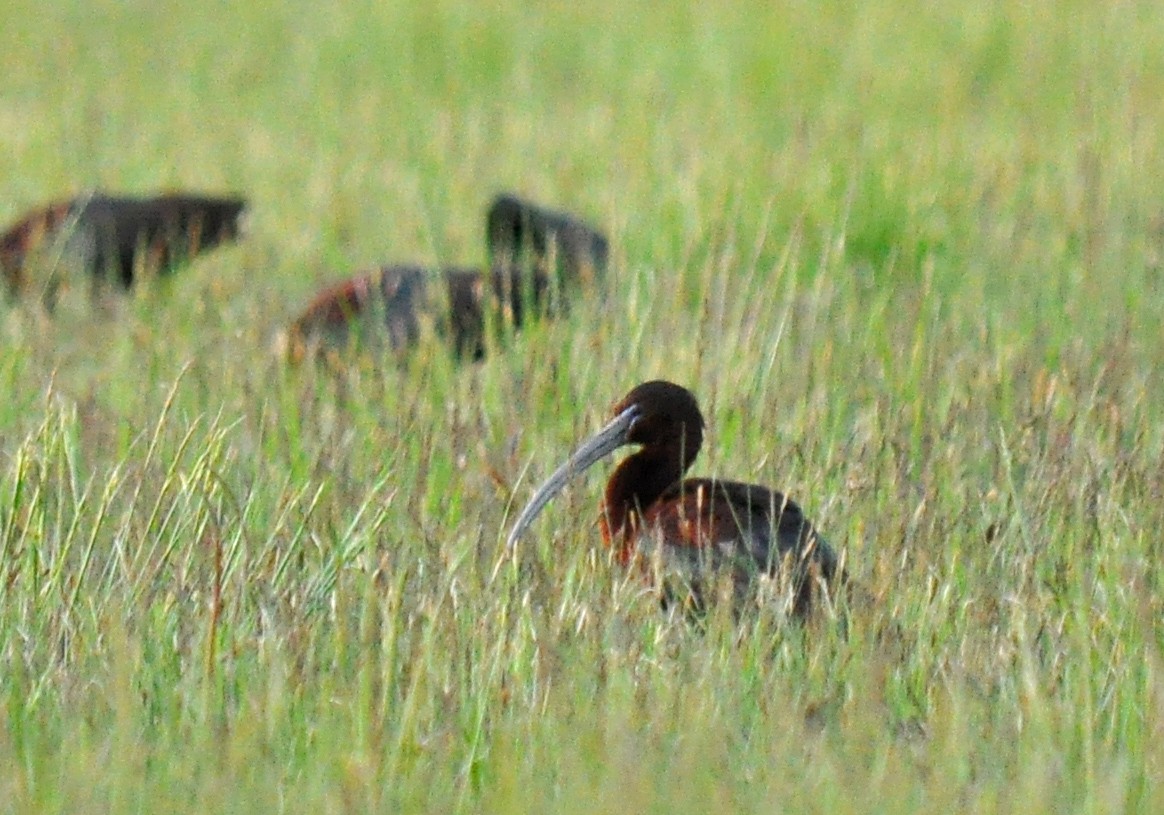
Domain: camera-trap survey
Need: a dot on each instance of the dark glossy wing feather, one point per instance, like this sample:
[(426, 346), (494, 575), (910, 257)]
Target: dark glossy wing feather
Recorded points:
[(704, 526)]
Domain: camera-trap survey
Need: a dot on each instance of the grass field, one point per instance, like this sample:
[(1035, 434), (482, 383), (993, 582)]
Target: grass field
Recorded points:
[(909, 255)]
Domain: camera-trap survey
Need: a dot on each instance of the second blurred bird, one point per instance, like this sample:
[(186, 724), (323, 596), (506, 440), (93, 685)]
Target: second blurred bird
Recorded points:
[(537, 258)]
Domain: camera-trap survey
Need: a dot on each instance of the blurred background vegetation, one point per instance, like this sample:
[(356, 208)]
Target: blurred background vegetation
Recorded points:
[(908, 255)]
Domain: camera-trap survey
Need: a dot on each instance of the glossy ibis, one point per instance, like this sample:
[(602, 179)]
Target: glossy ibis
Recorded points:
[(370, 308), (387, 306), (522, 233), (530, 248), (683, 534), (104, 235)]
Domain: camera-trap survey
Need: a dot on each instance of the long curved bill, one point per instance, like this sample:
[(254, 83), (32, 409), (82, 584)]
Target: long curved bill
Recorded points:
[(597, 447)]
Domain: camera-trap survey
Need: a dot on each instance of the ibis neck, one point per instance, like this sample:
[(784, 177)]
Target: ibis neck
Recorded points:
[(633, 487)]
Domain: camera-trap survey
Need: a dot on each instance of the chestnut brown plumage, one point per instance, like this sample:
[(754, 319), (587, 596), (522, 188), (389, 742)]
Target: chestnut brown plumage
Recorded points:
[(685, 533)]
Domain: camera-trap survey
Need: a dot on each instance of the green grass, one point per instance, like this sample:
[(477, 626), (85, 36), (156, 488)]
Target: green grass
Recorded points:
[(908, 255)]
